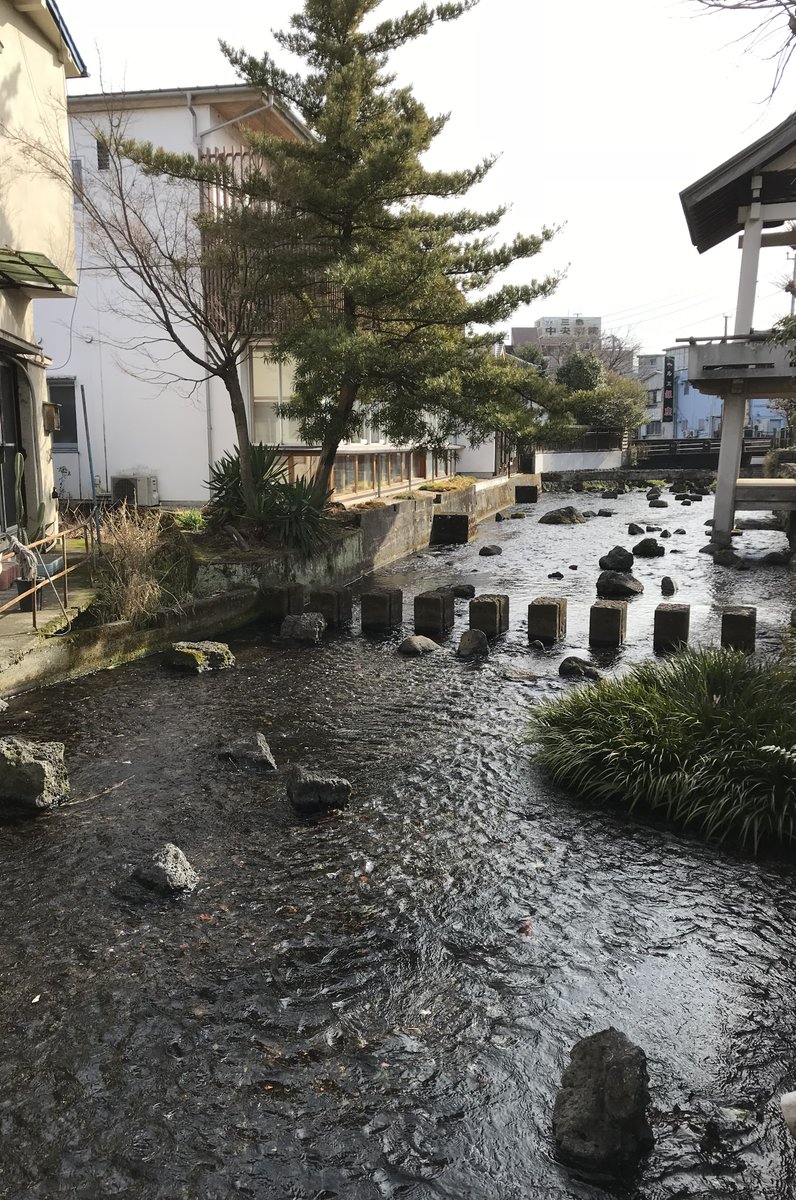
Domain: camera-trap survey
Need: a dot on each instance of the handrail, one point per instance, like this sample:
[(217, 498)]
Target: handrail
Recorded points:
[(36, 585)]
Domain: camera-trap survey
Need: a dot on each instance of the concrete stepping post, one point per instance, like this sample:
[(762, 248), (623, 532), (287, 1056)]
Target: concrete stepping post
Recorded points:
[(281, 602), (547, 619), (490, 614), (434, 613), (451, 529), (672, 627), (382, 609), (608, 622), (739, 628), (334, 604)]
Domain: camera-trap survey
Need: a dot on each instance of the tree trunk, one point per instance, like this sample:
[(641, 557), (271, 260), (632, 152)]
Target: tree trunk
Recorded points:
[(334, 435), (238, 403)]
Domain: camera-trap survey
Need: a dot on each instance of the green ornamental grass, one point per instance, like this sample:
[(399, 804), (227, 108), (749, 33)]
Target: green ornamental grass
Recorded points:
[(705, 739)]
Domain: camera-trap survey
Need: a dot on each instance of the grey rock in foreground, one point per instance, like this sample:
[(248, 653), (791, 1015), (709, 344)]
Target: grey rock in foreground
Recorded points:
[(32, 774), (416, 644), (167, 871), (668, 586), (473, 644), (578, 668), (634, 530), (490, 551), (200, 656), (304, 627), (311, 794), (463, 591), (600, 1117), (562, 516), (618, 585), (250, 752), (617, 559), (659, 503)]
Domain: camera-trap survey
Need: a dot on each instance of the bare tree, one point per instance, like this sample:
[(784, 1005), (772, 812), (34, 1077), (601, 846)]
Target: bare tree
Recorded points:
[(775, 31), (617, 352), (182, 254)]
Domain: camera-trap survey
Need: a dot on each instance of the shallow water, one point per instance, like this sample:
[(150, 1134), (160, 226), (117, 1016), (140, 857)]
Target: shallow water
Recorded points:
[(381, 1004)]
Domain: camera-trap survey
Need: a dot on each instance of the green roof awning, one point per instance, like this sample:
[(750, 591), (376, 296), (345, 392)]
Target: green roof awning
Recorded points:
[(27, 269)]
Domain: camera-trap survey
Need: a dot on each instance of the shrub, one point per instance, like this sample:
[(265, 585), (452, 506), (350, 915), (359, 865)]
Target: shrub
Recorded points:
[(298, 511), (706, 739), (226, 493)]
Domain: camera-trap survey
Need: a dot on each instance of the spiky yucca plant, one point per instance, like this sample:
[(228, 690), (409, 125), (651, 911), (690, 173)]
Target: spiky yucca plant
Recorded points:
[(705, 739)]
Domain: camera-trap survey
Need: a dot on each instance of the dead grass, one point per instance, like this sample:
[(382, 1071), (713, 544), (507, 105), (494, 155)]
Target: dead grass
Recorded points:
[(457, 484), (134, 570)]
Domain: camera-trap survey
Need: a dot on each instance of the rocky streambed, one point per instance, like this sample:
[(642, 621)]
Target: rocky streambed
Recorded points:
[(381, 1003)]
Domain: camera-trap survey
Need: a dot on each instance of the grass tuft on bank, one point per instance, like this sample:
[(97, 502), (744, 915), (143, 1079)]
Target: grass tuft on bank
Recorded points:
[(705, 739)]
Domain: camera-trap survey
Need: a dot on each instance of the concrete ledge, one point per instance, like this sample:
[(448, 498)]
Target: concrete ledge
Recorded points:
[(54, 659)]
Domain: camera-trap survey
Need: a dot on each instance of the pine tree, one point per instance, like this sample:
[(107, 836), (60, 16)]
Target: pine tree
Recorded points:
[(384, 290)]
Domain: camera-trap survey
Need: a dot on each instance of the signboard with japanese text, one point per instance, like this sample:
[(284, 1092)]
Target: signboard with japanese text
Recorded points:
[(668, 388)]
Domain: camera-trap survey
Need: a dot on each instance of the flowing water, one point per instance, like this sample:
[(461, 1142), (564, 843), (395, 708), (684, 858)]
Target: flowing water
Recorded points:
[(380, 1004)]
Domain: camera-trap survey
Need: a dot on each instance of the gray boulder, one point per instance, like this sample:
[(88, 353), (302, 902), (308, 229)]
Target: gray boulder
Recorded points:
[(555, 575), (518, 516), (490, 551), (304, 627), (634, 530), (649, 547), (776, 558), (200, 656), (668, 586), (167, 871), (311, 794), (588, 513), (416, 644), (610, 496), (600, 1117), (499, 517), (562, 516), (618, 585), (659, 503), (473, 644), (725, 556), (654, 493), (617, 559), (680, 532), (606, 512), (463, 591), (250, 752), (542, 649), (578, 668), (666, 533), (32, 774), (653, 529)]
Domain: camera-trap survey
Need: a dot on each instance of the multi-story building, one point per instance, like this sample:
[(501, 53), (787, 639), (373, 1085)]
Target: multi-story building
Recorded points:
[(558, 337), (37, 242), (692, 414), (157, 440)]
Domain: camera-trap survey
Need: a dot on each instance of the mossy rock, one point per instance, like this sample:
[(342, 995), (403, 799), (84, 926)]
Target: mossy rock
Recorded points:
[(200, 656)]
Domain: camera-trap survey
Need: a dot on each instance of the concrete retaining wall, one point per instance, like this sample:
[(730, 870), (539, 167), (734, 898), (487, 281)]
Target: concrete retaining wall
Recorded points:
[(592, 460)]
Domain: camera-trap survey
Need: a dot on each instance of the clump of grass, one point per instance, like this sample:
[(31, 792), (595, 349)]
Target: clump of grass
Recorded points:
[(457, 484), (140, 570), (705, 739), (190, 519)]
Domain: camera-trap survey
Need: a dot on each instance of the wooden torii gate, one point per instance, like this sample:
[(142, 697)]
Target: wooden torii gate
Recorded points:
[(751, 194)]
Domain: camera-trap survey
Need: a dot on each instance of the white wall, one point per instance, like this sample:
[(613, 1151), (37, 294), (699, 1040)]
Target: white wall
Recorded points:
[(477, 460), (139, 424), (597, 460)]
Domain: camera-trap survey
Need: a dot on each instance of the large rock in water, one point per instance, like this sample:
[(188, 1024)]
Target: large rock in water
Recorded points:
[(311, 794), (617, 559), (32, 774), (473, 644), (200, 656), (578, 668), (600, 1117), (304, 627), (649, 547), (167, 871), (618, 585), (562, 516), (416, 644)]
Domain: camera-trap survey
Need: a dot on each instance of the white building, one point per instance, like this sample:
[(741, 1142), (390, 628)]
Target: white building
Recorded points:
[(157, 440), (650, 373), (37, 244)]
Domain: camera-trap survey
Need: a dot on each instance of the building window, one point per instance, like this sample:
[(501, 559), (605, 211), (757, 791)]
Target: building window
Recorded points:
[(652, 397), (654, 429), (62, 393), (103, 156), (77, 179), (272, 386)]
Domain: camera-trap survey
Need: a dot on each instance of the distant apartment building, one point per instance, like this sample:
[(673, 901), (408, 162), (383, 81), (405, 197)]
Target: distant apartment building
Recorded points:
[(558, 337)]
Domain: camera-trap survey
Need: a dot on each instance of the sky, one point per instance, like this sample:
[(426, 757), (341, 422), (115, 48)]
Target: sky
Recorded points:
[(600, 114)]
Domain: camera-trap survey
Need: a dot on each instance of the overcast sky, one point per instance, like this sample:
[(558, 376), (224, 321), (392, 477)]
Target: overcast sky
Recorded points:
[(601, 114)]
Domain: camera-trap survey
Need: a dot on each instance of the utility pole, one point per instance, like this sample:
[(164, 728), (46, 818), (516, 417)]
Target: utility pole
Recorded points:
[(726, 319)]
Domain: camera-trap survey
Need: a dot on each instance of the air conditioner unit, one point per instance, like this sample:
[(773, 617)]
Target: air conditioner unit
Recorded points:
[(139, 490)]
